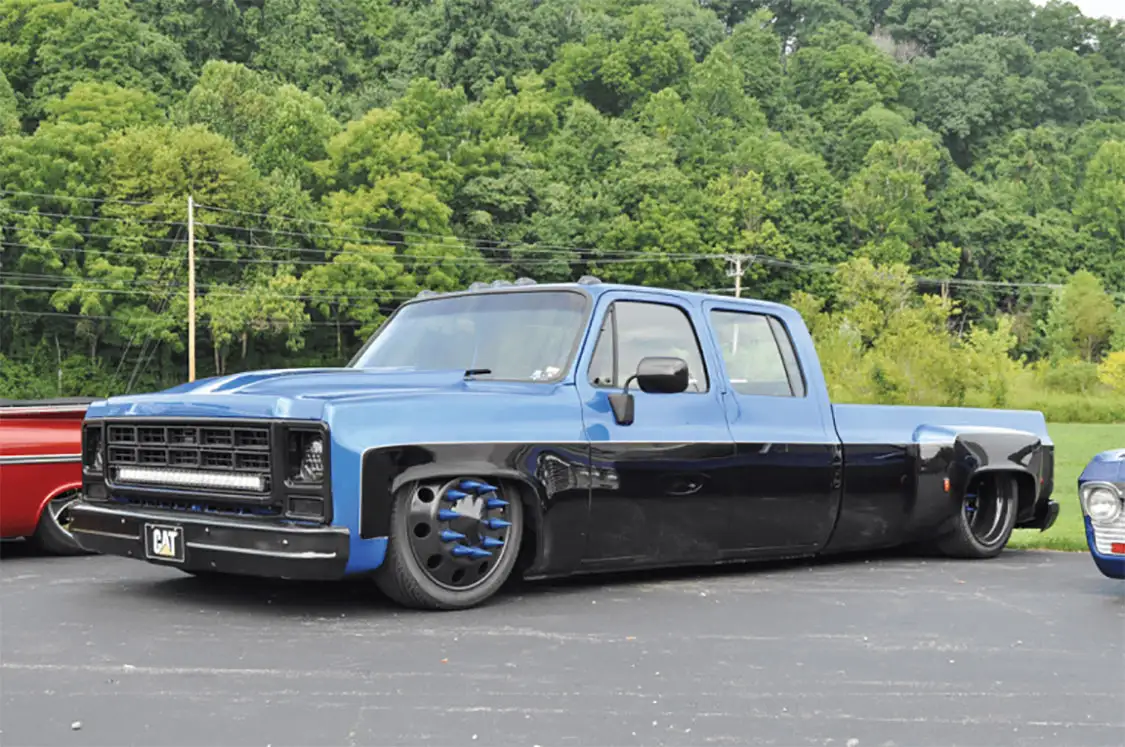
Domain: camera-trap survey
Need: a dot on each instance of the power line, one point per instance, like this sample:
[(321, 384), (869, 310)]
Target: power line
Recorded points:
[(75, 198), (393, 231), (155, 323), (94, 218), (111, 236), (217, 291), (447, 242), (601, 256)]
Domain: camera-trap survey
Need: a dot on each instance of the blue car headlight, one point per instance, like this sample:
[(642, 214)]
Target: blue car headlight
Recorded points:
[(1102, 502)]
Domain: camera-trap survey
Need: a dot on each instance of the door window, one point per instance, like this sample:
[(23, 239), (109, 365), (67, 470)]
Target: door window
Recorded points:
[(758, 354), (632, 330)]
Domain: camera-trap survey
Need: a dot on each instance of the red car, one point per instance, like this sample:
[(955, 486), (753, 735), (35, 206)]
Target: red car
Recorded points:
[(41, 470)]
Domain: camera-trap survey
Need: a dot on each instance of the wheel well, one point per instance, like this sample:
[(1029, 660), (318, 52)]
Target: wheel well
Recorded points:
[(529, 544), (1025, 488), (59, 492)]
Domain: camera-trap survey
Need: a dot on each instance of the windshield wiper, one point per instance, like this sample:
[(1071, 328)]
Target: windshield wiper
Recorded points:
[(477, 372)]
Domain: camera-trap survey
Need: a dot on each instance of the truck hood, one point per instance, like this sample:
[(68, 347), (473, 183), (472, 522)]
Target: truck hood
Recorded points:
[(301, 394)]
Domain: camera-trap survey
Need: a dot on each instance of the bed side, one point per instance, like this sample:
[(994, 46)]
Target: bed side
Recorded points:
[(907, 468)]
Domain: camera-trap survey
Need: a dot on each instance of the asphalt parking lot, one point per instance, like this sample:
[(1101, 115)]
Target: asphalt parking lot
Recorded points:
[(1026, 649)]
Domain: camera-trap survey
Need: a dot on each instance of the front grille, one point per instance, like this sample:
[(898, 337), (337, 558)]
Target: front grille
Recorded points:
[(243, 449), (1105, 537)]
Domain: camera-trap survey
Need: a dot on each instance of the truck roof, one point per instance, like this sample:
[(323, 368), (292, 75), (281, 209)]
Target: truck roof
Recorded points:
[(594, 288)]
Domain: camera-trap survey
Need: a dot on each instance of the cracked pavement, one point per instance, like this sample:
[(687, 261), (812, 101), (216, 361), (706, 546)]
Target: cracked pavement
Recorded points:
[(1026, 649)]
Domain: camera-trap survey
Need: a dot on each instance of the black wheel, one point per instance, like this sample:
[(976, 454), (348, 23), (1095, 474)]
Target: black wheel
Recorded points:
[(984, 524), (52, 535), (452, 543)]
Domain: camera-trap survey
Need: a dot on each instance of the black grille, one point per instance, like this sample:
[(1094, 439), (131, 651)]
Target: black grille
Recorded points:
[(239, 448)]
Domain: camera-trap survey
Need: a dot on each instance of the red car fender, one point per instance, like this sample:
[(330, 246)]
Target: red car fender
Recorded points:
[(40, 458)]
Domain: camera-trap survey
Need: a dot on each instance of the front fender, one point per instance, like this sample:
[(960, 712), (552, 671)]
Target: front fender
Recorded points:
[(552, 478)]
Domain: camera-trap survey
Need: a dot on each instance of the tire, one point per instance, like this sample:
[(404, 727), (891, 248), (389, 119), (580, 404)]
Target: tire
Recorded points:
[(407, 580), (980, 533), (51, 535)]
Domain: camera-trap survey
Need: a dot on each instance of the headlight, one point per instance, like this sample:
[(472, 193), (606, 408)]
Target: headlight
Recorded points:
[(92, 447), (306, 457), (312, 464), (1102, 503)]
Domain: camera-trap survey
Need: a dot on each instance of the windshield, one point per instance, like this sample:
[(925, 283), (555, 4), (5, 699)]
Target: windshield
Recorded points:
[(517, 336)]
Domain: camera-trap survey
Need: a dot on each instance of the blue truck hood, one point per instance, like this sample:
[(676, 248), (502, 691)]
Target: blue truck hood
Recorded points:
[(299, 394), (1108, 466)]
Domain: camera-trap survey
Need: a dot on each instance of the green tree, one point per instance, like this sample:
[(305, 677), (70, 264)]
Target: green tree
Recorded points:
[(327, 48), (975, 90), (278, 127), (108, 44), (1081, 319), (887, 201), (9, 108), (616, 74)]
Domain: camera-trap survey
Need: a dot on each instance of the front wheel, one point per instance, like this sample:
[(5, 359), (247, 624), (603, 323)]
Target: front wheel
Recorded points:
[(986, 519), (52, 535), (453, 543)]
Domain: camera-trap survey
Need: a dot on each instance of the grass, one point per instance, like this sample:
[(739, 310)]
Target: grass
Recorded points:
[(1075, 445)]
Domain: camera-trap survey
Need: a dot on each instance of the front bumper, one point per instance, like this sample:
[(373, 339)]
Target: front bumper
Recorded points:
[(1112, 566), (215, 544)]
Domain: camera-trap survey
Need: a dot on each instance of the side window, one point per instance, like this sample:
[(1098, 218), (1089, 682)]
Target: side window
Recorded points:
[(633, 330), (602, 372), (758, 354)]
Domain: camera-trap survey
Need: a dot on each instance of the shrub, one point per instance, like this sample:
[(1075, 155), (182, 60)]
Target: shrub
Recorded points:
[(1111, 372)]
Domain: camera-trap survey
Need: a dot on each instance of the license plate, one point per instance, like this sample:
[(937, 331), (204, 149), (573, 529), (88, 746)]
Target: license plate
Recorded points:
[(164, 542)]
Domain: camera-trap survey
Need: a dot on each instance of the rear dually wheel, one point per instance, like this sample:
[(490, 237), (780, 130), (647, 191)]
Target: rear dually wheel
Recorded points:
[(986, 518)]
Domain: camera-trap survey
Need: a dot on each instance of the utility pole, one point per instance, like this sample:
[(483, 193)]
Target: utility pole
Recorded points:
[(191, 287), (735, 271)]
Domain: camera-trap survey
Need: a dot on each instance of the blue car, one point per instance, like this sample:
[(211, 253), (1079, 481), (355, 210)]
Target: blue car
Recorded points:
[(1101, 490), (545, 431)]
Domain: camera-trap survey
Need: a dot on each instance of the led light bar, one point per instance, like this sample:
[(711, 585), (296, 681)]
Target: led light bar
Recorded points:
[(190, 478)]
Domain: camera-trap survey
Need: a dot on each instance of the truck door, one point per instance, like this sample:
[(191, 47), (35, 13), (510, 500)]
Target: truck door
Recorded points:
[(658, 483), (790, 460)]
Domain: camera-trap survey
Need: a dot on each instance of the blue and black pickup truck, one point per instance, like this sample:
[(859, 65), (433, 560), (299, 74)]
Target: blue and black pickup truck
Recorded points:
[(544, 431)]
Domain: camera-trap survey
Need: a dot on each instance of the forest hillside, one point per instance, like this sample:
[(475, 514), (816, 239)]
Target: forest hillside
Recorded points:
[(939, 185)]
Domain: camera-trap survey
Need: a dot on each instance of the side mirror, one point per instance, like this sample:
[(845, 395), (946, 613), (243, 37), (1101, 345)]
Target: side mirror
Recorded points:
[(655, 375), (662, 375)]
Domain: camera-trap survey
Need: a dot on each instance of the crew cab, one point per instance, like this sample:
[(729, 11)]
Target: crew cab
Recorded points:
[(1101, 492), (548, 430)]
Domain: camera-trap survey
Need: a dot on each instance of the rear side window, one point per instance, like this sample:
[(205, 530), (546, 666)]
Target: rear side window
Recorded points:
[(758, 354)]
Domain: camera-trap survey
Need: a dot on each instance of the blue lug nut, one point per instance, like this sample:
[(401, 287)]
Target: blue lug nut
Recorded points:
[(460, 551), (447, 515), (455, 495), (496, 503), (497, 524), (477, 487), (450, 536), (489, 543)]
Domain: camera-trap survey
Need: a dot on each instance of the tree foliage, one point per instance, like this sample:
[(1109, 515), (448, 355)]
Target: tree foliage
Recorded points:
[(939, 184)]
